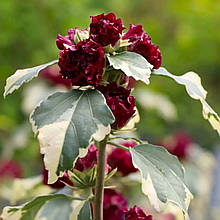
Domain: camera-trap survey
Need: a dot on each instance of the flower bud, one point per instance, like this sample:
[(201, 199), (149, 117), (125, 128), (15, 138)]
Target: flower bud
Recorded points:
[(73, 37)]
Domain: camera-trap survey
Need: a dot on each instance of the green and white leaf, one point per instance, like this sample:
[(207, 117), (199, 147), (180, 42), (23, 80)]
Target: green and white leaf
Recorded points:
[(23, 76), (132, 64), (162, 177), (66, 123), (194, 88), (24, 188), (49, 207), (56, 209), (68, 209), (30, 209), (81, 211)]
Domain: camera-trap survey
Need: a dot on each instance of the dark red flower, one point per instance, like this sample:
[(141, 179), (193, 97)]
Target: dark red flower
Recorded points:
[(178, 145), (83, 63), (10, 169), (135, 33), (87, 162), (149, 51), (121, 159), (136, 213), (142, 44), (120, 102), (105, 29), (53, 76), (59, 183), (113, 205), (69, 39)]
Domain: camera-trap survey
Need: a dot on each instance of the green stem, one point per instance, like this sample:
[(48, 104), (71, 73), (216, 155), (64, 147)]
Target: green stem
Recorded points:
[(118, 145), (99, 187), (128, 138)]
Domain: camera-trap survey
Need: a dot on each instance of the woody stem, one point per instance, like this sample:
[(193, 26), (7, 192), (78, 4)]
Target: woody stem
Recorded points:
[(99, 187)]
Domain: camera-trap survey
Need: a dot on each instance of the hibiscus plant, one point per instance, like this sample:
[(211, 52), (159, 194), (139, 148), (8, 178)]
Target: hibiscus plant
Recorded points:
[(74, 127)]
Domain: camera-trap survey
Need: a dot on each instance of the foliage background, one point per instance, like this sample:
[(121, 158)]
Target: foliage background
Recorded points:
[(187, 33)]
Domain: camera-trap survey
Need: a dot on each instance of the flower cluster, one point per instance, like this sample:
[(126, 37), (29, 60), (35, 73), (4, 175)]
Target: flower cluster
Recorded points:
[(82, 60), (82, 51)]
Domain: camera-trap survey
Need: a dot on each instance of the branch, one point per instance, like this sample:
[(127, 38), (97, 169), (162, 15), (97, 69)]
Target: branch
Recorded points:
[(128, 138), (118, 145)]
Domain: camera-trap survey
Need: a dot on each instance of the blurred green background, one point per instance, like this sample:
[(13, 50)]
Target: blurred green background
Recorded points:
[(187, 33)]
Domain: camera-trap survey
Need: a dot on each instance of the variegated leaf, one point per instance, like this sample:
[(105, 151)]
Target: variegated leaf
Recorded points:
[(194, 88), (85, 212), (81, 210), (132, 64), (30, 209), (50, 207), (23, 76), (162, 177), (66, 122), (55, 209)]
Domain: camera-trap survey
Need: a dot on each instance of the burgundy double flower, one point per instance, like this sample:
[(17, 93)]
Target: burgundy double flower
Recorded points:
[(121, 159), (106, 29), (141, 43), (83, 63), (120, 102)]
